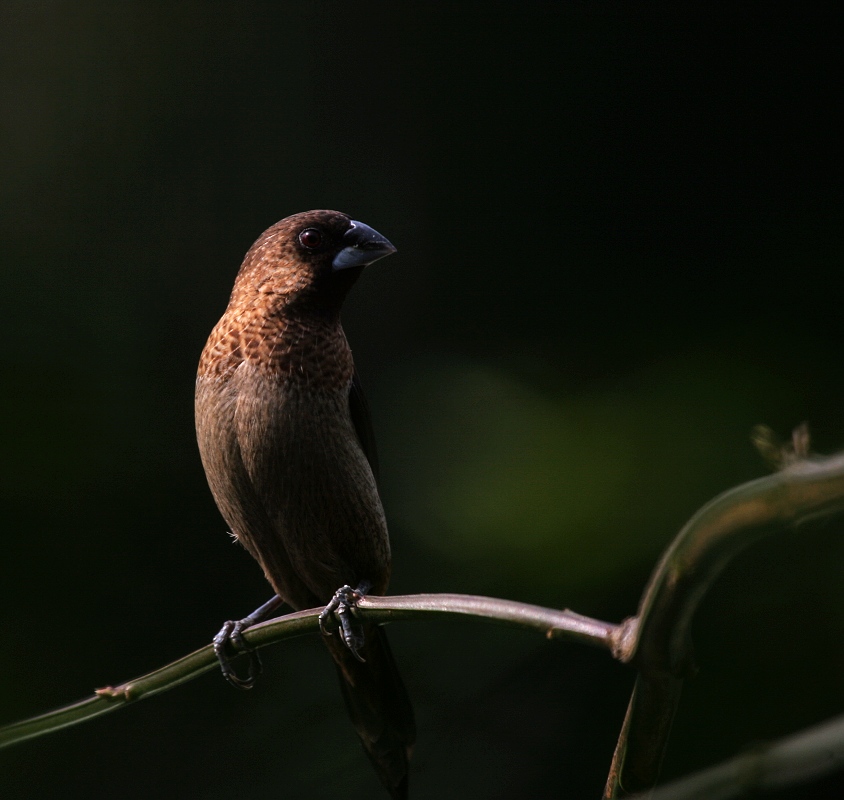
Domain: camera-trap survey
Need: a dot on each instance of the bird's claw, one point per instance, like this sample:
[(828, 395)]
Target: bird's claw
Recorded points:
[(341, 606), (232, 634)]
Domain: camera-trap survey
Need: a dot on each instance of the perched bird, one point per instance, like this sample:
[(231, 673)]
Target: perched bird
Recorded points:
[(286, 442)]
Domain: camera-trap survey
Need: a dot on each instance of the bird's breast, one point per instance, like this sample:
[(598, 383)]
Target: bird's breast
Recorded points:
[(304, 460)]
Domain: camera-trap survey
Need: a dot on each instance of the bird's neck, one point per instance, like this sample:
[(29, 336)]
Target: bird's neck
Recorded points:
[(287, 344)]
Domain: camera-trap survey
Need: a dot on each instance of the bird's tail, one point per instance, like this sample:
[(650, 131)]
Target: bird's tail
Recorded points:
[(378, 705)]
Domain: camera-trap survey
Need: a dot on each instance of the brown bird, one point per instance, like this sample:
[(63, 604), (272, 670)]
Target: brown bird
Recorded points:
[(287, 446)]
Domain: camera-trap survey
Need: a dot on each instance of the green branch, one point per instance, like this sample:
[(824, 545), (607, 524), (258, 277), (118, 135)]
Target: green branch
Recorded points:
[(551, 623), (658, 641)]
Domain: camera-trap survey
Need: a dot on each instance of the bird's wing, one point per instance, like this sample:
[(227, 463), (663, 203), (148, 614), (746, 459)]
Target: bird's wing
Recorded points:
[(361, 419)]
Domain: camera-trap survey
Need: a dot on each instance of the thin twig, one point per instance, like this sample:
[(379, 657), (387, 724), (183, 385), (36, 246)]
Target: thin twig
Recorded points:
[(550, 622)]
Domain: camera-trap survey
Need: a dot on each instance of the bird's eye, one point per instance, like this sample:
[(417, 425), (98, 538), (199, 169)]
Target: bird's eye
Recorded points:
[(310, 238)]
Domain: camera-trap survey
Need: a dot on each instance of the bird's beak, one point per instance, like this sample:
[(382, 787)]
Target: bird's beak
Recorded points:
[(363, 245)]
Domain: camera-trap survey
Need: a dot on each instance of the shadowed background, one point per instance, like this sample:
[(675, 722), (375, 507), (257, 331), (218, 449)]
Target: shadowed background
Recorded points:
[(620, 247)]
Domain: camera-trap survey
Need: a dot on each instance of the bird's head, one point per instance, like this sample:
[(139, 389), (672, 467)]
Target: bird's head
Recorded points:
[(309, 260)]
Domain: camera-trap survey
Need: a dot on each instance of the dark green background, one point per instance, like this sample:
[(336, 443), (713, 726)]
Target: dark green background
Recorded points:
[(620, 247)]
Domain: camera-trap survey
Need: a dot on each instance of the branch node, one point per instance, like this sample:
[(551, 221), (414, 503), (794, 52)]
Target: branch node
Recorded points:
[(624, 640), (112, 694)]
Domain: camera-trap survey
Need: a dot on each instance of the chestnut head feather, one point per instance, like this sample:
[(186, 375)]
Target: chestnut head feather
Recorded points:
[(309, 260), (284, 311)]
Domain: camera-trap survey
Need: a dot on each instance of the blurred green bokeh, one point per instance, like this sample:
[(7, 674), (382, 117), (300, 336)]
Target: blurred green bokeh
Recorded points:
[(620, 247), (496, 471)]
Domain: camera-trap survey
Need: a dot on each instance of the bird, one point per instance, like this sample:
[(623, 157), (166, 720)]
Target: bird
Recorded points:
[(286, 442)]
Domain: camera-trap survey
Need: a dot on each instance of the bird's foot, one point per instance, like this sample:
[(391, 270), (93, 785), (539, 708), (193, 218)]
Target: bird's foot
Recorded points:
[(341, 605), (230, 637), (232, 634)]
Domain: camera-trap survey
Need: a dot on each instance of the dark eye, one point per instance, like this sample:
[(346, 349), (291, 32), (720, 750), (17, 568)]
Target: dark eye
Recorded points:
[(310, 238)]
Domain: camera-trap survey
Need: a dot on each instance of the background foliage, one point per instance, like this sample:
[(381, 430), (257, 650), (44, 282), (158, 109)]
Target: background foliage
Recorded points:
[(620, 244)]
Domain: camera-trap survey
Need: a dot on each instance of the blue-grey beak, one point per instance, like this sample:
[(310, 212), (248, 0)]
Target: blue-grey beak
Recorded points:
[(363, 245)]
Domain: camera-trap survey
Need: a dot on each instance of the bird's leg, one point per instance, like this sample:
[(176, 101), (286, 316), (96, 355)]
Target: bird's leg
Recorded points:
[(232, 633), (341, 605)]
